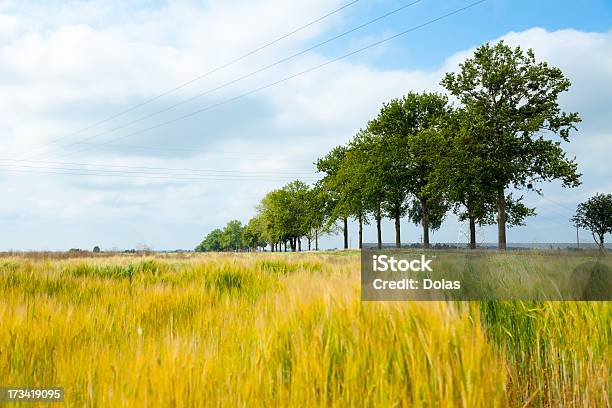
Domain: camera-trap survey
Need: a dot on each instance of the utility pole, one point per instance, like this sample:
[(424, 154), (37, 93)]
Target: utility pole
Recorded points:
[(577, 239)]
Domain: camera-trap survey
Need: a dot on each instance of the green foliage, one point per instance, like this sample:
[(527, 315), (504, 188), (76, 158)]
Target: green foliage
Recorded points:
[(595, 215), (460, 175), (408, 128), (231, 239), (253, 234), (421, 156), (212, 242), (512, 102), (330, 166), (286, 213)]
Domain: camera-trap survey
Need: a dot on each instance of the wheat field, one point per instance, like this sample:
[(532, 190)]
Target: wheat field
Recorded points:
[(283, 330)]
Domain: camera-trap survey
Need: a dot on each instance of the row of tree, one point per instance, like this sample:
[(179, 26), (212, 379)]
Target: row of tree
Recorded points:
[(423, 156), (284, 218), (226, 239)]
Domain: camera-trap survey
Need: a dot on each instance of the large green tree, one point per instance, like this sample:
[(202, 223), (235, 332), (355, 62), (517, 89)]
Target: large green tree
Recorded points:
[(354, 180), (405, 125), (334, 209), (512, 100), (367, 160), (595, 215), (316, 224), (460, 176)]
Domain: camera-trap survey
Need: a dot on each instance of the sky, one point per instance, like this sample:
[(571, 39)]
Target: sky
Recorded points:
[(91, 154)]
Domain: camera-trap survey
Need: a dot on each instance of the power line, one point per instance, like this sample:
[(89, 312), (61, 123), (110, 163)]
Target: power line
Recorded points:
[(210, 72), (122, 166), (285, 79), (548, 218), (248, 75), (558, 204), (192, 150), (130, 174)]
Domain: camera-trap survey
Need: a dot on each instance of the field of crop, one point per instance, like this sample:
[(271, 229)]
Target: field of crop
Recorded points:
[(284, 329)]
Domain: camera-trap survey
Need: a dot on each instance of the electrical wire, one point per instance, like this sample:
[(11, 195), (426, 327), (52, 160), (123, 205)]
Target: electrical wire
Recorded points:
[(122, 166), (210, 72), (243, 77), (285, 79)]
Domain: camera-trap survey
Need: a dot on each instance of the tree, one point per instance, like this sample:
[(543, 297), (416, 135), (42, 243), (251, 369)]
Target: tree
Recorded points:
[(253, 235), (406, 125), (212, 242), (512, 100), (334, 208), (352, 183), (390, 156), (459, 175), (96, 249), (284, 214), (297, 223), (595, 215), (231, 238), (273, 212), (365, 176), (315, 215)]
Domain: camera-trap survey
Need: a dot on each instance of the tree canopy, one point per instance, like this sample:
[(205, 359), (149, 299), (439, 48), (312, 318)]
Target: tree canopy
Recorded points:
[(512, 103), (422, 156), (595, 215)]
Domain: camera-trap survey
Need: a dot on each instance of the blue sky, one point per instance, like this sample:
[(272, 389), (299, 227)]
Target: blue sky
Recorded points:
[(492, 19), (66, 65)]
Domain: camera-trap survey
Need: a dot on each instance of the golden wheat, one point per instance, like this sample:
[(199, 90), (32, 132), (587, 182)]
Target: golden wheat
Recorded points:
[(283, 330)]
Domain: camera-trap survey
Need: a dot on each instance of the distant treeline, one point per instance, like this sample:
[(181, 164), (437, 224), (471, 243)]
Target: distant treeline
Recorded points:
[(423, 157)]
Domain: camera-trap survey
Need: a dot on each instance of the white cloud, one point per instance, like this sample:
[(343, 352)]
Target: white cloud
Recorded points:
[(92, 59)]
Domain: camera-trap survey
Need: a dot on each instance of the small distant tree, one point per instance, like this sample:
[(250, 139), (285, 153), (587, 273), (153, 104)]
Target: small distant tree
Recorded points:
[(232, 236), (212, 242), (253, 236), (595, 215), (96, 249)]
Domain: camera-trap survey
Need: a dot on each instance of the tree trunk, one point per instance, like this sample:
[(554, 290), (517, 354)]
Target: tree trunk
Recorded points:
[(501, 219), (316, 240), (425, 222), (398, 236), (472, 233), (299, 242), (309, 244), (378, 227), (360, 231), (346, 243)]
